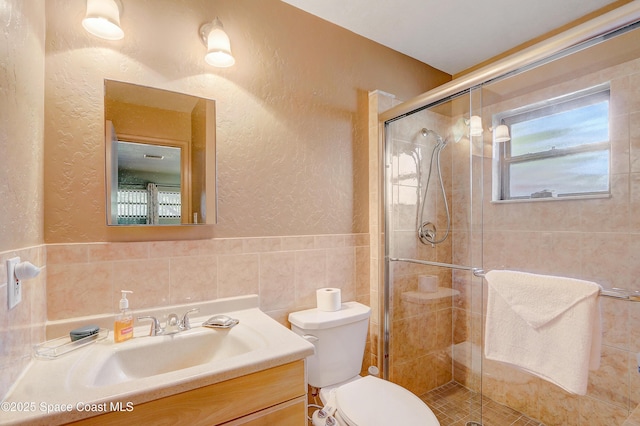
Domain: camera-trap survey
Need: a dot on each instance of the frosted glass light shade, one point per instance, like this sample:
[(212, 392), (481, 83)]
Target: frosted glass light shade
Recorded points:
[(475, 126), (218, 45), (501, 134), (103, 19)]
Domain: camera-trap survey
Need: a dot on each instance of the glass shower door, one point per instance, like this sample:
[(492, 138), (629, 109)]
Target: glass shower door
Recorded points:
[(433, 242)]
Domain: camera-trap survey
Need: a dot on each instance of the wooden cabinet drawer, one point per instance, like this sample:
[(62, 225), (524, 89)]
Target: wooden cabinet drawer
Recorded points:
[(218, 403)]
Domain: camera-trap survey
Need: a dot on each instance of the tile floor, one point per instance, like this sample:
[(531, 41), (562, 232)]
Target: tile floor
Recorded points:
[(455, 405)]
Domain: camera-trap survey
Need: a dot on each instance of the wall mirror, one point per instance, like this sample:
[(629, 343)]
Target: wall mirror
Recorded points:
[(160, 156)]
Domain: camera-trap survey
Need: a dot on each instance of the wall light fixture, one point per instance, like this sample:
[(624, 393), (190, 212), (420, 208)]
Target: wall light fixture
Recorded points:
[(103, 19), (501, 133), (475, 125), (217, 43)]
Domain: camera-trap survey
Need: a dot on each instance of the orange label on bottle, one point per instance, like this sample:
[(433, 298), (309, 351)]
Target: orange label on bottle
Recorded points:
[(122, 331)]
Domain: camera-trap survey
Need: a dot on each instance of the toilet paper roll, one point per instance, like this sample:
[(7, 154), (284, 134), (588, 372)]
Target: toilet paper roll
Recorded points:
[(328, 299)]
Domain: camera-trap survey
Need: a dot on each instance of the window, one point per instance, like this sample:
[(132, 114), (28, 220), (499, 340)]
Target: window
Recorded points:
[(169, 206), (133, 206), (558, 148)]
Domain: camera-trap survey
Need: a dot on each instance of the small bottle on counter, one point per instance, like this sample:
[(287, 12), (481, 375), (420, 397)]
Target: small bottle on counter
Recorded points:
[(123, 327)]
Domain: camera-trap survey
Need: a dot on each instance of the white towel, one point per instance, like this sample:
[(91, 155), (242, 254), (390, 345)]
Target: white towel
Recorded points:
[(548, 326)]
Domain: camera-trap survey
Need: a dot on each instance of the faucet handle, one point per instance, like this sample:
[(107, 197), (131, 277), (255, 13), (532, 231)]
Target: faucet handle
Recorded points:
[(185, 324), (155, 325)]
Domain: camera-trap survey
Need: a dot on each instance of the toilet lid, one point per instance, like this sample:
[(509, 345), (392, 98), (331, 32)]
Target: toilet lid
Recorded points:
[(371, 401)]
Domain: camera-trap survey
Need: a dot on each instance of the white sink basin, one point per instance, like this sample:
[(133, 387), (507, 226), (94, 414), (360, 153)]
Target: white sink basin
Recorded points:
[(154, 355)]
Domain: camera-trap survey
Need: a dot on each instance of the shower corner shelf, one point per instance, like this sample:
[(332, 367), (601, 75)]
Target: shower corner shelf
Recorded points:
[(52, 349), (429, 297)]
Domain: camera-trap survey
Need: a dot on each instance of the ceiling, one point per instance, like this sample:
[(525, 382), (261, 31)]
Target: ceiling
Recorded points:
[(450, 35)]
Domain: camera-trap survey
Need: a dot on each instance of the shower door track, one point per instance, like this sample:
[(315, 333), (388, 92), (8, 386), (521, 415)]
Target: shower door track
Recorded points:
[(478, 272)]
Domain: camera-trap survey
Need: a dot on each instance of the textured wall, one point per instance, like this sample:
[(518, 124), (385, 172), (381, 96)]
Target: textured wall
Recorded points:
[(21, 123), (21, 202), (291, 114)]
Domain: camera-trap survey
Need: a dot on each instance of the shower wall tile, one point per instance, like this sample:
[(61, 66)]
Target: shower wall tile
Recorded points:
[(634, 141), (609, 214), (632, 327), (621, 143), (404, 374), (556, 407), (615, 321), (634, 203), (610, 382), (634, 380), (596, 412)]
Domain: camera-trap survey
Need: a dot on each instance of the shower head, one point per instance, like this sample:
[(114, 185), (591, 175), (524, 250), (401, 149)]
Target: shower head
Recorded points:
[(426, 132)]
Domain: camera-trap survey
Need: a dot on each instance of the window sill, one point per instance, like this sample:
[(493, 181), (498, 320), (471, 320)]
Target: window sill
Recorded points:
[(537, 200)]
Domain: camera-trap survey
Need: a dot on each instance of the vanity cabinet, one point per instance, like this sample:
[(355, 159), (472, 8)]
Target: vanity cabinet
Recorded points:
[(273, 396)]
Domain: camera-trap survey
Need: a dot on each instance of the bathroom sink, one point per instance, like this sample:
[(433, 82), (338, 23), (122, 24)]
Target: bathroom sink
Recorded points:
[(147, 368), (156, 355)]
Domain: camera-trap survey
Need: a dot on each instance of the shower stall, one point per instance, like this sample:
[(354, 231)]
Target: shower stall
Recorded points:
[(533, 165)]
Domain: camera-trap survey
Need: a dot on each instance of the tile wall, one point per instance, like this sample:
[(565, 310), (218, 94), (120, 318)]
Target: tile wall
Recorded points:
[(86, 279)]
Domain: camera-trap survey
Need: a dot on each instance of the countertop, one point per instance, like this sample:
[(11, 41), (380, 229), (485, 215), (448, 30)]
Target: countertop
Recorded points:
[(49, 391)]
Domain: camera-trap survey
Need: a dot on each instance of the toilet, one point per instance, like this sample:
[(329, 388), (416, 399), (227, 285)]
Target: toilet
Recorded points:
[(349, 399)]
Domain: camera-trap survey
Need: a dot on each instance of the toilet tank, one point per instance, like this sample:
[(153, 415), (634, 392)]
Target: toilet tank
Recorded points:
[(339, 338)]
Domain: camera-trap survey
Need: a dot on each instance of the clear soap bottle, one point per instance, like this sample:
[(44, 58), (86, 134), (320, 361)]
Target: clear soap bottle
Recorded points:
[(123, 327)]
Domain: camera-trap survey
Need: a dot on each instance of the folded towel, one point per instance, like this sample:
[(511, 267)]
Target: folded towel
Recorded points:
[(548, 326)]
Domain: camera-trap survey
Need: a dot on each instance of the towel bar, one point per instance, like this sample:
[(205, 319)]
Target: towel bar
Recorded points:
[(476, 271), (615, 293)]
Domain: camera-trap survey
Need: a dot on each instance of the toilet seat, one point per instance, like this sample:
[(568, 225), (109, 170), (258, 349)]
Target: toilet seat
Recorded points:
[(371, 401)]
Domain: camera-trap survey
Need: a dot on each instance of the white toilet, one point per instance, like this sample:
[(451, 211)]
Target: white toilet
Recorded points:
[(349, 399)]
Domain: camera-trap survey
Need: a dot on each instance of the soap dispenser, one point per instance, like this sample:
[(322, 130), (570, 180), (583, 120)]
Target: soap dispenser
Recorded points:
[(123, 327)]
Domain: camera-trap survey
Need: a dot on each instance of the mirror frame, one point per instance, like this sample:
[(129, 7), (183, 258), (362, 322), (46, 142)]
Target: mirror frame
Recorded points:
[(209, 208)]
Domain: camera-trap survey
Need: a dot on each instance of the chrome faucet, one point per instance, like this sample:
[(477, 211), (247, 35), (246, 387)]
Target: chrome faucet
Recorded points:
[(156, 329), (173, 325), (185, 324)]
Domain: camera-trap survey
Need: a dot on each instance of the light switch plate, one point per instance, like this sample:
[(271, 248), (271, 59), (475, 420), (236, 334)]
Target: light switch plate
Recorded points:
[(14, 287)]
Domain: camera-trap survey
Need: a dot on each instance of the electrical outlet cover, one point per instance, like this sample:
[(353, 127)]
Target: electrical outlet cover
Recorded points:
[(14, 287)]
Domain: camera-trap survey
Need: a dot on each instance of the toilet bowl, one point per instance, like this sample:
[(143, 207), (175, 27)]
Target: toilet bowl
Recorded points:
[(350, 400)]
